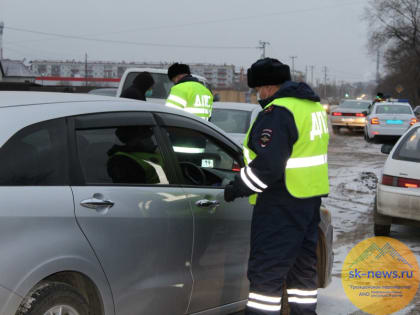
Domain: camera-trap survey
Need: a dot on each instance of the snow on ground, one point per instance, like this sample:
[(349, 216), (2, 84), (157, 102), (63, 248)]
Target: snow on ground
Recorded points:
[(354, 168)]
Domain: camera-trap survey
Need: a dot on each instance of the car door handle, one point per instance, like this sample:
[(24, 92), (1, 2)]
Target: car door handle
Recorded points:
[(95, 203), (204, 203)]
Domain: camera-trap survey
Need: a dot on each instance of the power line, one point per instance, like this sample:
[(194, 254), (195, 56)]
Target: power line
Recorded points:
[(217, 21), (128, 42)]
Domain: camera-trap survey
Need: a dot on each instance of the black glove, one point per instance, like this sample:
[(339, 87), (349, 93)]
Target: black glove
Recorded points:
[(229, 193), (236, 189)]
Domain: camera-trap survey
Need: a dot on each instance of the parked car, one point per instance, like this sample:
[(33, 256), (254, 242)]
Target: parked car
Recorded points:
[(398, 193), (417, 111), (388, 120), (104, 91), (234, 118), (161, 88), (349, 114), (86, 230)]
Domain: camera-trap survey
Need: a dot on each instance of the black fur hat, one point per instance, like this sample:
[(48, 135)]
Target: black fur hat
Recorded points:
[(178, 68), (268, 71)]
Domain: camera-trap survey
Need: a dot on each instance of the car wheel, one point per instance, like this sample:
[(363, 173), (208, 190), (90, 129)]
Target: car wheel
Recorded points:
[(335, 129), (53, 298), (367, 139), (382, 223)]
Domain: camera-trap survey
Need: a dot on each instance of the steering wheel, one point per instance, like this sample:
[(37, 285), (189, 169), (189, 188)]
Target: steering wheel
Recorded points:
[(193, 173)]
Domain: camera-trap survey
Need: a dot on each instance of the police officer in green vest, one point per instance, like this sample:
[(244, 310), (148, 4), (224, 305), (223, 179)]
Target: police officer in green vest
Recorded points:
[(285, 176), (188, 93)]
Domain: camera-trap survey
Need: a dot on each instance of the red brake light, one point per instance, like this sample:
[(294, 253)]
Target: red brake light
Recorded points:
[(400, 182), (408, 183), (387, 180), (374, 121), (236, 167), (337, 114), (413, 121), (360, 115)]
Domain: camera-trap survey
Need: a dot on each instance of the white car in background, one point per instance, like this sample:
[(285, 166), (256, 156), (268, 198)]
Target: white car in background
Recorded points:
[(387, 120), (398, 193), (160, 89), (234, 118)]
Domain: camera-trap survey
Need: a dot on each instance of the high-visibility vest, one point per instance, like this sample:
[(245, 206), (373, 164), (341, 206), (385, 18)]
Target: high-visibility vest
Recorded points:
[(306, 173), (146, 161), (193, 97)]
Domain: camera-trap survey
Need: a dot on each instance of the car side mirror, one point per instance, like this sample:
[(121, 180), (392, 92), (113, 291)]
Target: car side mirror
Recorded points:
[(387, 148)]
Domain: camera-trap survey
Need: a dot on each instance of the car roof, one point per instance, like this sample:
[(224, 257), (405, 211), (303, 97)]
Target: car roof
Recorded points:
[(15, 98), (19, 109), (393, 103), (237, 106), (355, 101), (161, 71)]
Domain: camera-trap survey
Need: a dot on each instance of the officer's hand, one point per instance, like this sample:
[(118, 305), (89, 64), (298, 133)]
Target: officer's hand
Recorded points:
[(229, 193)]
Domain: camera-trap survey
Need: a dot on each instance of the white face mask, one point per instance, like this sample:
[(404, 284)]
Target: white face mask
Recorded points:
[(258, 96)]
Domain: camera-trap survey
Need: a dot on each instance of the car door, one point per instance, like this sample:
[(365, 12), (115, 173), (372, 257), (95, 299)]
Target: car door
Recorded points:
[(139, 225), (206, 162)]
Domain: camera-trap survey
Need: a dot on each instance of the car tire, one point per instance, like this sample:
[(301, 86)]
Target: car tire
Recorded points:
[(48, 296), (381, 223), (335, 129)]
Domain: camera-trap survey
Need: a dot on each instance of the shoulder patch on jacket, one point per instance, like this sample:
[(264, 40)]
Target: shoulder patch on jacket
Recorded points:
[(265, 137), (269, 109)]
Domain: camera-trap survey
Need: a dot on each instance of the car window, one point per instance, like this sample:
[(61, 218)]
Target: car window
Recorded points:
[(393, 109), (161, 87), (120, 155), (203, 160), (35, 156), (409, 147), (355, 105), (231, 120)]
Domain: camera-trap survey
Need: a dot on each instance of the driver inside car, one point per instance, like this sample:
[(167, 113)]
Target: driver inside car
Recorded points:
[(136, 161)]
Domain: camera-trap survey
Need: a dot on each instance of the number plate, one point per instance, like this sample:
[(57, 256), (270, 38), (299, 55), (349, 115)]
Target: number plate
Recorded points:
[(394, 122), (348, 119)]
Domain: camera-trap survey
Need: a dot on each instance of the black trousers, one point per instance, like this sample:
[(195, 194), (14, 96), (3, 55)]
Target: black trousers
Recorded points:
[(284, 236)]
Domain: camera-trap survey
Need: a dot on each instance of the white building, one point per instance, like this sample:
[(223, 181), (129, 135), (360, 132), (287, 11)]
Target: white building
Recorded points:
[(108, 74)]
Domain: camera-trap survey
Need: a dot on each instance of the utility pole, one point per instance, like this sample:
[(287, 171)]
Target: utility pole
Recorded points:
[(262, 47), (86, 69), (378, 77), (312, 75), (325, 81), (1, 39), (293, 66), (306, 73)]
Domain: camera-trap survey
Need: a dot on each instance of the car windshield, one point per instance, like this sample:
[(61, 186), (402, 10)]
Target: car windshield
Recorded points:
[(231, 120), (409, 148), (355, 105), (161, 87), (393, 109)]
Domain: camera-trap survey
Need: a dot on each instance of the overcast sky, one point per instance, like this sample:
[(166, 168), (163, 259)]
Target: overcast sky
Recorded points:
[(320, 33)]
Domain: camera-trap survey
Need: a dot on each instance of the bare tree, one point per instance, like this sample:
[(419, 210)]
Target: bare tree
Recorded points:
[(394, 27)]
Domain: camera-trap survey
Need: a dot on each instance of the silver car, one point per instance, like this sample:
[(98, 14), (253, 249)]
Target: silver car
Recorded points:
[(349, 114), (114, 206), (234, 118), (388, 120)]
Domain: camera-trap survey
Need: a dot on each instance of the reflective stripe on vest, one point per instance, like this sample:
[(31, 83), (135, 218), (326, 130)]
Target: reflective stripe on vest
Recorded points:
[(193, 97), (153, 171), (306, 172)]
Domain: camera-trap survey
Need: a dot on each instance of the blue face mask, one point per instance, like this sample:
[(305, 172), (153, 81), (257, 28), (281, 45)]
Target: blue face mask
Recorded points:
[(149, 93)]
